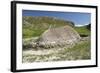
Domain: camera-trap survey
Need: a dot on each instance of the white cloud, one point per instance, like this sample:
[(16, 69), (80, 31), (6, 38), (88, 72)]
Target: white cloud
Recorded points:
[(80, 25)]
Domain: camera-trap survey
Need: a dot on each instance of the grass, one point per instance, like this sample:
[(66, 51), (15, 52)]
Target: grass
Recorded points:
[(80, 51), (82, 30), (28, 33), (35, 26)]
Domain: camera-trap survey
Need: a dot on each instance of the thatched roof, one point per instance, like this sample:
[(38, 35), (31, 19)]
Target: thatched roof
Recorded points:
[(64, 35)]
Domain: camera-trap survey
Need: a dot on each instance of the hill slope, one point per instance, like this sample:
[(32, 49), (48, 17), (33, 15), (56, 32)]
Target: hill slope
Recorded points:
[(35, 26)]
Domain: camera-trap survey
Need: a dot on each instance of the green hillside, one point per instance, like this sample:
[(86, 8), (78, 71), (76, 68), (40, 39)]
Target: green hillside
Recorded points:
[(83, 31), (35, 26)]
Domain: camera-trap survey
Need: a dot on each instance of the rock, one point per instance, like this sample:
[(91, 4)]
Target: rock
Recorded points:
[(29, 43), (60, 36)]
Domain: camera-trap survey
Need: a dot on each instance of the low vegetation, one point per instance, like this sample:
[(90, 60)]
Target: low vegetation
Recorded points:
[(81, 51), (83, 31), (33, 27)]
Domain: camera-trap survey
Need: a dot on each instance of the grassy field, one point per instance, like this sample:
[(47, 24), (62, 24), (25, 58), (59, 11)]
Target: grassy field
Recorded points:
[(83, 31)]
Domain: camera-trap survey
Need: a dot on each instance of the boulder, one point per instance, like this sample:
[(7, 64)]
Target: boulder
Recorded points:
[(60, 36)]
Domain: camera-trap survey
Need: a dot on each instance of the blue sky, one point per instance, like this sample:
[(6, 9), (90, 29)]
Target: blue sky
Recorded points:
[(76, 17)]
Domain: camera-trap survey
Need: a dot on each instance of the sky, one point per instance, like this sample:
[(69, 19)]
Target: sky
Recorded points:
[(76, 17)]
